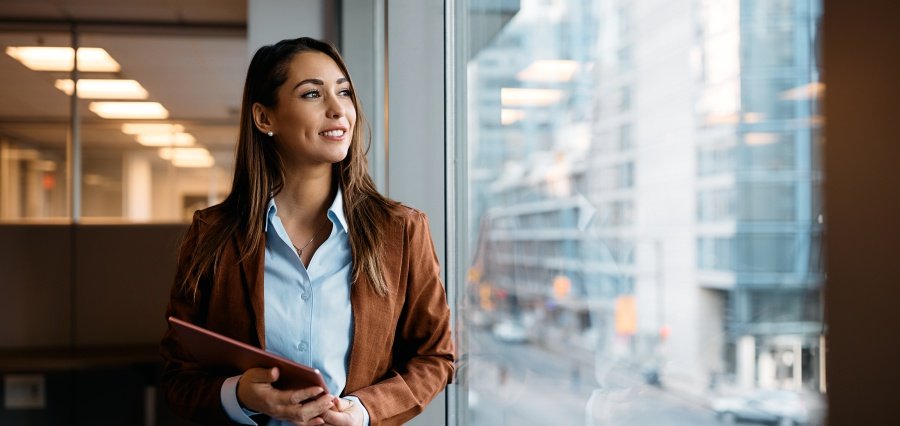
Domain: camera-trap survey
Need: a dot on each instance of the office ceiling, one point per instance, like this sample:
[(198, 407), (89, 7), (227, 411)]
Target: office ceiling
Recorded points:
[(196, 75), (210, 11)]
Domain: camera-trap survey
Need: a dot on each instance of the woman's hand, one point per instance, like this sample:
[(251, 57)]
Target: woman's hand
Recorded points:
[(345, 413), (255, 391)]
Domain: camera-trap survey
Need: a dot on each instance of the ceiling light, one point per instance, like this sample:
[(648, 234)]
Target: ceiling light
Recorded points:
[(753, 117), (760, 138), (151, 128), (170, 153), (193, 162), (731, 118), (529, 97), (187, 157), (510, 116), (129, 110), (39, 58), (104, 88), (166, 139), (812, 90), (549, 71)]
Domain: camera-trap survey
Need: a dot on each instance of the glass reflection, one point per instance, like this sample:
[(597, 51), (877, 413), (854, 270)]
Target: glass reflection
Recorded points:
[(644, 212), (34, 127)]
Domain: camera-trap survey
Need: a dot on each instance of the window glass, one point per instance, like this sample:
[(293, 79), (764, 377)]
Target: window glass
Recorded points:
[(34, 125), (134, 167), (644, 219), (767, 201), (162, 168)]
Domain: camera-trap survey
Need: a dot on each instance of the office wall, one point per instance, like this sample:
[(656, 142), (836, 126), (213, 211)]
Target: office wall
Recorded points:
[(85, 286), (122, 279), (862, 149), (36, 285)]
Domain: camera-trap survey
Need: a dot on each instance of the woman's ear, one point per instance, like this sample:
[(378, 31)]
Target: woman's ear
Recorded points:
[(261, 118)]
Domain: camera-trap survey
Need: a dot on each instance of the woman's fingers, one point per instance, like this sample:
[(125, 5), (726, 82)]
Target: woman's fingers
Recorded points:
[(301, 406), (348, 414), (341, 404), (261, 375), (301, 395), (253, 386), (307, 413)]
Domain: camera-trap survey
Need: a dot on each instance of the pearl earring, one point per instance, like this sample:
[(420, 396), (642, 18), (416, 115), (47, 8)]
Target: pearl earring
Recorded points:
[(271, 133)]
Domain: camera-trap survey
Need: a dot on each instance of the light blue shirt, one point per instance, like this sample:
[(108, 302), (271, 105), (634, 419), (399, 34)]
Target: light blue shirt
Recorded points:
[(307, 309)]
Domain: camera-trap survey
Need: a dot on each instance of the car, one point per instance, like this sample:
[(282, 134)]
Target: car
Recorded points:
[(510, 332), (779, 407)]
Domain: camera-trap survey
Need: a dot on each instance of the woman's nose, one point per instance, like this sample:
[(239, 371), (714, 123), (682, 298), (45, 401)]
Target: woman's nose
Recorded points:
[(335, 108)]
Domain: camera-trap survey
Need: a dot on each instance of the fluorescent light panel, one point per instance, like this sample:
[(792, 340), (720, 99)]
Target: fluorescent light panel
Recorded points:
[(529, 97), (187, 157), (760, 138), (193, 162), (162, 139), (41, 58), (104, 88), (151, 128), (510, 116), (549, 70), (813, 90), (125, 110)]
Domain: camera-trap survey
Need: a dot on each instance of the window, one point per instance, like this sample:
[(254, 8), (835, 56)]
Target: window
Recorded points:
[(669, 253), (33, 131), (133, 167)]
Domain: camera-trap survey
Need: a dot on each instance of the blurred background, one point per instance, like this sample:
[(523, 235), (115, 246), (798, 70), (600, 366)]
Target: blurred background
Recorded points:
[(645, 213), (627, 196)]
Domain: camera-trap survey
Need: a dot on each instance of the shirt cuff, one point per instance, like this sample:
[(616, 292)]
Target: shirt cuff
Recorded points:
[(230, 403), (365, 412)]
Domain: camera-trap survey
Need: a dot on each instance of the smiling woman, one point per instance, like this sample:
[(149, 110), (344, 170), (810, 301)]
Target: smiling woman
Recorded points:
[(313, 119), (341, 278)]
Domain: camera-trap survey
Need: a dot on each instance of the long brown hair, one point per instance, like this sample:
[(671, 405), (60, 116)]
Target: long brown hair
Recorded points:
[(259, 175)]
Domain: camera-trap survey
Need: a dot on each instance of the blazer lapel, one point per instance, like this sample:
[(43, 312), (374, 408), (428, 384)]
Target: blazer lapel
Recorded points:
[(253, 276), (361, 316), (374, 316)]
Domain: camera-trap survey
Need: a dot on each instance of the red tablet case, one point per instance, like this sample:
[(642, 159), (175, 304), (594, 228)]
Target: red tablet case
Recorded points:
[(214, 350)]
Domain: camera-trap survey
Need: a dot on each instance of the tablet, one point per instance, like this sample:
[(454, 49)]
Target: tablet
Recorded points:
[(213, 350)]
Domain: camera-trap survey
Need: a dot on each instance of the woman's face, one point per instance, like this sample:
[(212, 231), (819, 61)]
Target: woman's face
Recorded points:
[(314, 117)]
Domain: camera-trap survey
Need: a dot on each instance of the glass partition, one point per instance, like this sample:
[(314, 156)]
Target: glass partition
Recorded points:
[(145, 166), (156, 123), (34, 127)]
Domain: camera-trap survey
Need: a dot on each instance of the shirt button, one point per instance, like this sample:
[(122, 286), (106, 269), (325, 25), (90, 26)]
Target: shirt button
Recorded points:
[(303, 346), (304, 295)]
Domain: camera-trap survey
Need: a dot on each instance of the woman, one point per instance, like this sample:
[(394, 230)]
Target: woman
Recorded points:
[(305, 259)]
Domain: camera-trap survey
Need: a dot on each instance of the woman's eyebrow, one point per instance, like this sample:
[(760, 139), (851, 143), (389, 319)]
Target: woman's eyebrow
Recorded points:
[(319, 82)]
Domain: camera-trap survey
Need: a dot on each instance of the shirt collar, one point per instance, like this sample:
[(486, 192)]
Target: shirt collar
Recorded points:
[(335, 212)]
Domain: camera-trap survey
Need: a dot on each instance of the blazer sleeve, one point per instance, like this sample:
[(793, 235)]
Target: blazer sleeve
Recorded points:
[(423, 353), (190, 392)]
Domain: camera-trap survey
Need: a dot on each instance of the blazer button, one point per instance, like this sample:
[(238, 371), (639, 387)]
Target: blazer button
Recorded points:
[(303, 346), (304, 295)]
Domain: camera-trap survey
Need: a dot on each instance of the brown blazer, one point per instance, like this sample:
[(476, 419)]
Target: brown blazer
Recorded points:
[(401, 355)]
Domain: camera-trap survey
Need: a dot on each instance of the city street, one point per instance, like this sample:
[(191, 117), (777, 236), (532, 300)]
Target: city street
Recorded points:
[(522, 384)]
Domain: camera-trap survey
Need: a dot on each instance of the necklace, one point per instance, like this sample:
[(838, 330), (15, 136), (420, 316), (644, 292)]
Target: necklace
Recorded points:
[(300, 249)]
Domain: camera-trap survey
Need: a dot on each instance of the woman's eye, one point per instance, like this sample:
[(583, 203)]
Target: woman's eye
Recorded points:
[(345, 92), (310, 94)]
